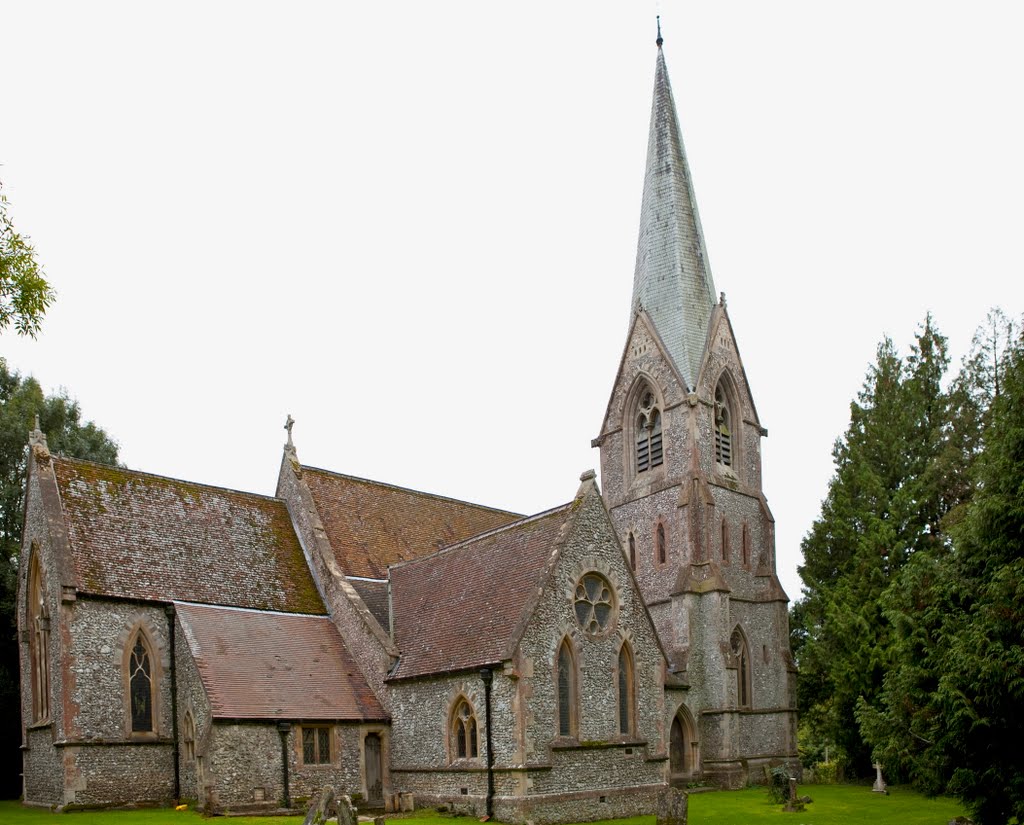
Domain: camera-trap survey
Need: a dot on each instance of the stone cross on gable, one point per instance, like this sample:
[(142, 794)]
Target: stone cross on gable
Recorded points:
[(288, 424)]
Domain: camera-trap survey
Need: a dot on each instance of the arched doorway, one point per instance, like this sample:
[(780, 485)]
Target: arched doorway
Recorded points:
[(684, 757)]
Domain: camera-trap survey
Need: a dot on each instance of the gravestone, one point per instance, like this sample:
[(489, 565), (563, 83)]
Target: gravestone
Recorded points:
[(346, 811), (320, 811), (879, 786), (672, 807)]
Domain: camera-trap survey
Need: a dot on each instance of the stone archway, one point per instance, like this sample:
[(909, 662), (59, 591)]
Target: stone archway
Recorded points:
[(684, 753)]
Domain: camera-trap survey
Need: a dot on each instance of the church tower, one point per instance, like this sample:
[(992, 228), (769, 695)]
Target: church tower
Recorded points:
[(681, 471)]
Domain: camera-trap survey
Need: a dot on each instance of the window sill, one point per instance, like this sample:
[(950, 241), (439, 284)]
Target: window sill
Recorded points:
[(567, 744)]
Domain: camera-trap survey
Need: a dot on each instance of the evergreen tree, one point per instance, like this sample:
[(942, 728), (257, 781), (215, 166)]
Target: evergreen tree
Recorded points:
[(885, 504), (21, 400), (948, 716)]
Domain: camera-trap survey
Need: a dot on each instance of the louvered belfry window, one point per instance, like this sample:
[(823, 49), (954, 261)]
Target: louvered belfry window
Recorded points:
[(648, 434), (723, 432)]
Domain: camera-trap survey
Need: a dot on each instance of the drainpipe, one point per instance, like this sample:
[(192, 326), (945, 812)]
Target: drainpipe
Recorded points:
[(283, 728), (488, 677), (169, 610)]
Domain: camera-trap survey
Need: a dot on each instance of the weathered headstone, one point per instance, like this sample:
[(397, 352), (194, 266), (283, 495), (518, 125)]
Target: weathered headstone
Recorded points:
[(320, 811), (346, 811), (406, 802), (879, 786), (672, 807), (794, 804)]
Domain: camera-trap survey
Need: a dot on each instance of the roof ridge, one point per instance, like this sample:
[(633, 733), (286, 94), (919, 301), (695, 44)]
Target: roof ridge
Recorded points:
[(122, 468), (308, 468), (237, 609), (486, 534)]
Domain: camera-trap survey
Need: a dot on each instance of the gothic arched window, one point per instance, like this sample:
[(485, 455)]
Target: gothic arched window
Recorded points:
[(725, 540), (39, 640), (188, 737), (565, 681), (723, 427), (741, 654), (627, 701), (647, 432), (661, 544), (746, 545), (464, 731), (140, 685)]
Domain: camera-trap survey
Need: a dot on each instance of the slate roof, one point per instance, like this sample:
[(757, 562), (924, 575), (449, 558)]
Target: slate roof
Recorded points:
[(141, 536), (461, 608), (261, 665), (372, 525), (374, 594), (672, 280)]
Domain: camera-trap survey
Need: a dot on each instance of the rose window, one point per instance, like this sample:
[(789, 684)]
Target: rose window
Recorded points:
[(594, 602)]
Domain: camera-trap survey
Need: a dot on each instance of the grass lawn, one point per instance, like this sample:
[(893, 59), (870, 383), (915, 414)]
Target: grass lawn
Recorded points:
[(832, 805)]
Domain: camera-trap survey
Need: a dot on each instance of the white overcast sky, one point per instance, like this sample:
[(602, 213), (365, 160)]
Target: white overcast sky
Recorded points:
[(413, 225)]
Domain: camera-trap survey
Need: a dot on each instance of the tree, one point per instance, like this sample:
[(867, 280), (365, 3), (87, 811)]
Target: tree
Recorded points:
[(885, 504), (25, 294), (21, 400), (949, 712)]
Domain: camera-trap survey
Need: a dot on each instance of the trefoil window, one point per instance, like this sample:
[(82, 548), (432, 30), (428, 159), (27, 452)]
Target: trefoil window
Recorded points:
[(594, 603)]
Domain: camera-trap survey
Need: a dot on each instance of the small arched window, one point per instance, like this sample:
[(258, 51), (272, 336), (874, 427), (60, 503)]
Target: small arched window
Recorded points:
[(723, 427), (464, 731), (39, 640), (140, 685), (740, 652), (746, 545), (627, 702), (725, 541), (188, 737), (661, 544), (566, 687), (649, 451), (632, 551)]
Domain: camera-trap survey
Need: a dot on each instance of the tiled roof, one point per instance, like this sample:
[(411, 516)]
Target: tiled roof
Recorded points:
[(141, 536), (374, 594), (259, 665), (460, 608), (672, 280), (372, 525)]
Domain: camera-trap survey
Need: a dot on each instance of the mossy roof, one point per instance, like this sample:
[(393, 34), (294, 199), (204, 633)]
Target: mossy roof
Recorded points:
[(372, 525), (461, 607), (140, 536)]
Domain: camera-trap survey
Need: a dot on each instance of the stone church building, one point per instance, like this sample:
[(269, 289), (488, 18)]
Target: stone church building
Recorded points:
[(181, 641)]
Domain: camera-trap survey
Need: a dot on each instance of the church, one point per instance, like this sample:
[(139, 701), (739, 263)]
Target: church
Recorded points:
[(241, 651)]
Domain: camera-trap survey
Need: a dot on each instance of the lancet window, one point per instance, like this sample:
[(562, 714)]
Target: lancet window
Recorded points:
[(627, 701), (723, 427), (649, 452), (464, 731), (741, 653), (565, 680), (39, 641), (140, 685)]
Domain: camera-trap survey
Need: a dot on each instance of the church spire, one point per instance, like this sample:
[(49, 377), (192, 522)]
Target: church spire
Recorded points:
[(673, 280)]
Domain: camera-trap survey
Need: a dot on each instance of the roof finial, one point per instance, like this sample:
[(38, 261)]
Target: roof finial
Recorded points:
[(288, 426), (660, 39)]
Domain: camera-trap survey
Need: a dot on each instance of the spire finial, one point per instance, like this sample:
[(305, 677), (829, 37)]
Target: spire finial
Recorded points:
[(660, 39), (288, 426)]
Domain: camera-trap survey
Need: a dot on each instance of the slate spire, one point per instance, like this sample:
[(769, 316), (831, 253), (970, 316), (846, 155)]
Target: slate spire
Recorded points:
[(673, 280)]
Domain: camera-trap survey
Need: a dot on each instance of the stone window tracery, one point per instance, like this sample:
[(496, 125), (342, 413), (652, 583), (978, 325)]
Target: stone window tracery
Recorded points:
[(594, 603), (464, 731), (140, 685), (316, 745), (39, 641), (649, 451)]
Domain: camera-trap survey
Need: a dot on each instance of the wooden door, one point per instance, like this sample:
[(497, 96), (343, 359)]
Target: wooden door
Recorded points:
[(374, 774)]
